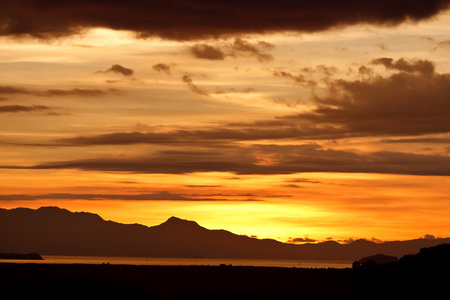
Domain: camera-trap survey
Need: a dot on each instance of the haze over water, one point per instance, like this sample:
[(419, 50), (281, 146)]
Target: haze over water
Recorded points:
[(168, 261)]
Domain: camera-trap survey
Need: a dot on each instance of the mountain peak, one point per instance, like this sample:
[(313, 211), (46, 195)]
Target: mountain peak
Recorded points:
[(175, 219), (175, 222)]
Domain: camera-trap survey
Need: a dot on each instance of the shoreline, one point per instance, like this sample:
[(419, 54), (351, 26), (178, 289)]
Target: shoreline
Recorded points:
[(167, 261)]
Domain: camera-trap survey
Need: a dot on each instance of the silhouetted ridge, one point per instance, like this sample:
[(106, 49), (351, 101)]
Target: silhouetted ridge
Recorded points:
[(174, 224), (174, 221), (376, 259), (56, 231), (362, 242), (54, 213)]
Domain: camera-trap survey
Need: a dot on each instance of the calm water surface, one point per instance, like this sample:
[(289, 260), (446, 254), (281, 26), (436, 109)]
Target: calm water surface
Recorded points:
[(52, 259)]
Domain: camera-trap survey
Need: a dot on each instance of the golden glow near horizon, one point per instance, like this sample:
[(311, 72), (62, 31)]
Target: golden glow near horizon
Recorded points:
[(258, 134)]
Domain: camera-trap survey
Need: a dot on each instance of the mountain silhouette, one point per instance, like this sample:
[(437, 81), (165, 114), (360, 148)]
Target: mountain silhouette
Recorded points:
[(56, 231)]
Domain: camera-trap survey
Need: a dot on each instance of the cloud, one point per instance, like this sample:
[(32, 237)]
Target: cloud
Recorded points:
[(11, 90), (390, 106), (302, 180), (202, 186), (285, 159), (125, 138), (162, 68), (206, 51), (301, 240), (234, 90), (291, 185), (418, 140), (239, 48), (307, 76), (78, 92), (16, 197), (425, 67), (15, 90), (199, 19), (188, 80), (157, 196), (429, 237), (22, 108), (118, 69), (438, 44), (413, 101), (262, 159), (193, 136), (258, 50), (300, 79)]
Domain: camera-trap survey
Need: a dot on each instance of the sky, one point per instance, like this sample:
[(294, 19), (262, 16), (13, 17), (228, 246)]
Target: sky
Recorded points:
[(300, 121)]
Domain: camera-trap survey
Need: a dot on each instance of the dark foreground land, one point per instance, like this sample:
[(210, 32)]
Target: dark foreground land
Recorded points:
[(424, 274)]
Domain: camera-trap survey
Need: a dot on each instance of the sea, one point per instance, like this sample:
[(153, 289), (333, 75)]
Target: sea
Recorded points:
[(161, 261)]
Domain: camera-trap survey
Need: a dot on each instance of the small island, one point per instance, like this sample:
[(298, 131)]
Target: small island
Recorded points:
[(31, 256)]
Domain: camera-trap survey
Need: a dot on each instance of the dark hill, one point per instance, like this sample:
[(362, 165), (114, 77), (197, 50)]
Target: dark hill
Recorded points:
[(423, 275), (377, 259), (55, 231)]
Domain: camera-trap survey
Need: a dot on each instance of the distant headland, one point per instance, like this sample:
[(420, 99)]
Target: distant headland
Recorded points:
[(31, 256)]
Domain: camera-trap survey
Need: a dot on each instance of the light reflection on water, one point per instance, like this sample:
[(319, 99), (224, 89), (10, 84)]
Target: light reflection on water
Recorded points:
[(53, 259)]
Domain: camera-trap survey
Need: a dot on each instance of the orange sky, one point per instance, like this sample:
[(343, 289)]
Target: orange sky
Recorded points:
[(317, 128)]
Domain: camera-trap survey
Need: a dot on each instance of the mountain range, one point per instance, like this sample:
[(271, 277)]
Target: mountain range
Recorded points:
[(56, 231)]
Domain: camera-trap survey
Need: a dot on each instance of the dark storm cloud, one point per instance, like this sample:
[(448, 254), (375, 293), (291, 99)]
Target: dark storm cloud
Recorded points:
[(206, 51), (118, 69), (197, 19), (283, 159), (162, 68)]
